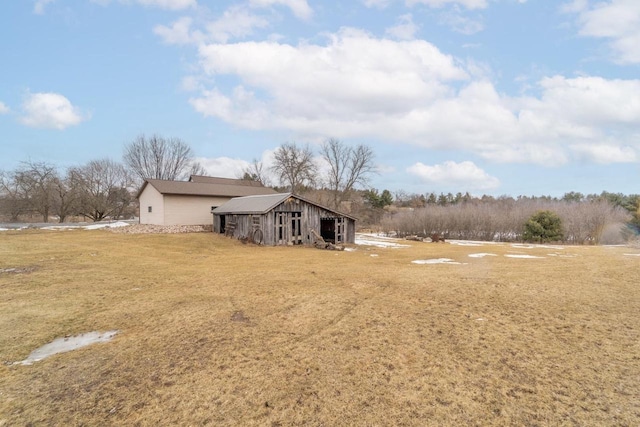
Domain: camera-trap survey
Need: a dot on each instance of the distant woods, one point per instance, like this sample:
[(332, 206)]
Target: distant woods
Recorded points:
[(98, 190), (337, 175), (574, 218)]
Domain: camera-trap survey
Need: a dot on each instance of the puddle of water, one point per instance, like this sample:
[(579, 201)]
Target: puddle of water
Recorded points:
[(62, 345)]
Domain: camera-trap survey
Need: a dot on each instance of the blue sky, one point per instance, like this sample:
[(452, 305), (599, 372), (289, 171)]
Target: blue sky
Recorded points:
[(516, 97)]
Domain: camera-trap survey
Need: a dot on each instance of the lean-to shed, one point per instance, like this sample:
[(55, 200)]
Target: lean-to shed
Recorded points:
[(282, 219)]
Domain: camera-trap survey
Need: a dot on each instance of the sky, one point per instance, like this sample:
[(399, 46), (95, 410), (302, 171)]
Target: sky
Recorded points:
[(498, 97)]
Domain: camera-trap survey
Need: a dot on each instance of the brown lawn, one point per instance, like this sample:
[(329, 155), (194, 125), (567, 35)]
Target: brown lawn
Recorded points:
[(214, 332)]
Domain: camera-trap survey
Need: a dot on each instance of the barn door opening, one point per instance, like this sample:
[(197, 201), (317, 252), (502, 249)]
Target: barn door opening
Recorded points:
[(281, 228), (340, 230), (222, 223), (328, 229), (296, 228)]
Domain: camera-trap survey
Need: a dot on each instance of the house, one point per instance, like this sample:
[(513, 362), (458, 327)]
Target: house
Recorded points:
[(282, 219), (191, 202)]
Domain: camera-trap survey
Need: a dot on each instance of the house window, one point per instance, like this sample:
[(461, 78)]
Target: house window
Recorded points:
[(150, 209)]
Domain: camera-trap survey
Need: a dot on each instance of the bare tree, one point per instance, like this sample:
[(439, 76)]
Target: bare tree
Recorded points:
[(348, 167), (160, 158), (294, 166), (13, 199), (37, 180), (103, 189), (256, 172)]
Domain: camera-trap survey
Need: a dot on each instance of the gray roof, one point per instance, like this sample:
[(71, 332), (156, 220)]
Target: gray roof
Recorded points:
[(262, 204), (252, 204), (226, 181), (187, 188)]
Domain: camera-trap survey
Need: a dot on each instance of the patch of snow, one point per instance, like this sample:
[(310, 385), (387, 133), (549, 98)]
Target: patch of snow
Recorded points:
[(523, 246), (524, 256), (349, 249), (62, 345), (374, 255), (481, 255), (463, 243), (436, 261), (97, 226), (632, 254), (379, 242)]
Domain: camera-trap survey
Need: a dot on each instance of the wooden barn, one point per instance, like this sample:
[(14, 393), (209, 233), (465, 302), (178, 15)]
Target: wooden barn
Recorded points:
[(282, 219)]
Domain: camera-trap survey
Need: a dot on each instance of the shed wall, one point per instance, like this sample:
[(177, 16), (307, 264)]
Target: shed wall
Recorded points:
[(151, 197), (190, 210), (310, 216)]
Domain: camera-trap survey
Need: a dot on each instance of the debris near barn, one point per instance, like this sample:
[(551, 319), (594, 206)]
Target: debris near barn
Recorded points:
[(320, 243), (435, 238)]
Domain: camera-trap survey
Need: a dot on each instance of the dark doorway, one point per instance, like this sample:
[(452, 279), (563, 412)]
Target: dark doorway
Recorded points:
[(222, 224), (328, 229)]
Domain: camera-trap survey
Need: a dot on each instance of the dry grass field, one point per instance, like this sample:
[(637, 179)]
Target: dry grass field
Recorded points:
[(213, 332)]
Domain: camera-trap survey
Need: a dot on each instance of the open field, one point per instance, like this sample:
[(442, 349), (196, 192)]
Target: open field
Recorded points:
[(213, 332)]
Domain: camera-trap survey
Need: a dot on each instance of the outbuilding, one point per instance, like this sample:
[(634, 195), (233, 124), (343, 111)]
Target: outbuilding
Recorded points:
[(282, 219), (190, 202)]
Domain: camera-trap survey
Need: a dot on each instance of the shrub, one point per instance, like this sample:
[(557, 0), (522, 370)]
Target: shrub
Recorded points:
[(543, 226)]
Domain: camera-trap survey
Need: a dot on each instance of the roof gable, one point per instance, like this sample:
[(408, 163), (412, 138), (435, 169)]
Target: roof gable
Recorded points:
[(206, 189), (261, 204)]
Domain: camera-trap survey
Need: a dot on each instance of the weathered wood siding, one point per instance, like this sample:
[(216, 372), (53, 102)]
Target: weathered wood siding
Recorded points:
[(290, 222)]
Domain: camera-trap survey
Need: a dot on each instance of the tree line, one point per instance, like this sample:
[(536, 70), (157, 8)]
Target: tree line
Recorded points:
[(591, 219), (97, 190)]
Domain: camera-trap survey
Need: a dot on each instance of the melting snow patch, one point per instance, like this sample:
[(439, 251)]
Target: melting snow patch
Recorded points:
[(632, 254), (481, 255), (378, 241), (435, 261), (465, 243), (521, 246), (524, 256), (62, 345)]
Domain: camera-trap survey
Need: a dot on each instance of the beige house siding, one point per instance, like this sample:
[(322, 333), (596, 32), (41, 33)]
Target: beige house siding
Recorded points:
[(190, 210), (151, 197)]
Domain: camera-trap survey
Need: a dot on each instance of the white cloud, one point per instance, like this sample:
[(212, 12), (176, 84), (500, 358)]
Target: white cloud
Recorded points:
[(359, 86), (380, 4), (606, 154), (227, 167), (235, 22), (455, 175), (38, 7), (179, 32), (169, 4), (224, 167), (300, 8), (469, 4), (162, 4), (406, 29), (50, 111), (3, 108), (615, 20), (461, 23), (353, 73)]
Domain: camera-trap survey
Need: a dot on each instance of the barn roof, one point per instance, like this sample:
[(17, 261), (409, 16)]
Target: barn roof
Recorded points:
[(261, 204), (223, 188)]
